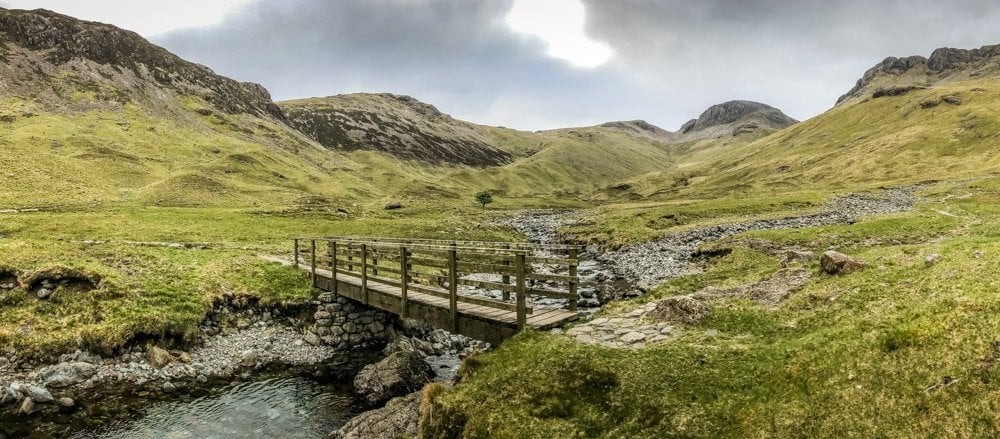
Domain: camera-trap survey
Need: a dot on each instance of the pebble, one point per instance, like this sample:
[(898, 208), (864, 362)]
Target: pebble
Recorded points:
[(66, 402)]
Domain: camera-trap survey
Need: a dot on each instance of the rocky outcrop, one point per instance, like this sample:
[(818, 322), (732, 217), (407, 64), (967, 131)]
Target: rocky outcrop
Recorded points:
[(398, 125), (901, 73), (60, 40), (399, 418)]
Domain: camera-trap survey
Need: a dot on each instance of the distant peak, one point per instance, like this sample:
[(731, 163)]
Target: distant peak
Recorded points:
[(737, 111)]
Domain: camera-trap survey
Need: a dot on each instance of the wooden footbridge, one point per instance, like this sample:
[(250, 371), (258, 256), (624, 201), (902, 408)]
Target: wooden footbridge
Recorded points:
[(443, 282)]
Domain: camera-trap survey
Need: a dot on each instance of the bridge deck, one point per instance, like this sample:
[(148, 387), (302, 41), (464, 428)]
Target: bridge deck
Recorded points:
[(476, 321), (421, 279)]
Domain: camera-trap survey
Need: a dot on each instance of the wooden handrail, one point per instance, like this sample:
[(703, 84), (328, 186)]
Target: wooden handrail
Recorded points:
[(438, 268)]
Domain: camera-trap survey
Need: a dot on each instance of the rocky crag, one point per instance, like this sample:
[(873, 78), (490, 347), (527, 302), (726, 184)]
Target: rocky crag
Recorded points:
[(40, 46), (896, 75)]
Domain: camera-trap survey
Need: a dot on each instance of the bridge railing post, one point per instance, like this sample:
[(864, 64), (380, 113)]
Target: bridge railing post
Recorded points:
[(312, 254), (404, 275), (364, 272), (295, 254), (350, 256), (572, 282), (333, 265), (522, 312), (506, 276), (453, 286)]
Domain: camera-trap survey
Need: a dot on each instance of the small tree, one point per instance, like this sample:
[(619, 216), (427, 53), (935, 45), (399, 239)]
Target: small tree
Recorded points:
[(484, 198)]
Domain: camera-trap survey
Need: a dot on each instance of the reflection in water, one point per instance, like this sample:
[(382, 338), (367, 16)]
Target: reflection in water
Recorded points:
[(277, 408)]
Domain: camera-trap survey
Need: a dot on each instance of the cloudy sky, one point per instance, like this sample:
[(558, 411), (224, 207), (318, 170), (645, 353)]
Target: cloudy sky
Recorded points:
[(535, 64)]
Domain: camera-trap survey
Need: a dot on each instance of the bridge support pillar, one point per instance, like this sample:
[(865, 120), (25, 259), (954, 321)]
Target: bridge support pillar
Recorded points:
[(346, 324)]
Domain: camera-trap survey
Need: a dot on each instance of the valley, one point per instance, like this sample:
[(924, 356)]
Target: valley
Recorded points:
[(142, 194)]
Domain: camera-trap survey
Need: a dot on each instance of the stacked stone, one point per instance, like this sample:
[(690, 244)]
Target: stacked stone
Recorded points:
[(344, 324)]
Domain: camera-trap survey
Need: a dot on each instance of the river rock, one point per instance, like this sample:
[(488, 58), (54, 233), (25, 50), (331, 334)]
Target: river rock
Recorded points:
[(7, 395), (67, 374), (397, 419), (66, 402), (839, 263), (39, 394), (398, 374), (248, 358), (312, 338), (27, 406), (158, 357)]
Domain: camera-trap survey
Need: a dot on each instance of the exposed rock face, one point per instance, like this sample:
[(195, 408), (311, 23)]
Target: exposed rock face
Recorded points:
[(398, 125), (734, 118), (895, 72), (839, 263), (397, 419), (62, 40), (400, 373)]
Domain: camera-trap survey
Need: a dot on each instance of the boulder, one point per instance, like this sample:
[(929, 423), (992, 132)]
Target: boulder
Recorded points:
[(393, 205), (839, 263), (400, 373), (397, 419), (158, 357), (932, 259), (67, 374)]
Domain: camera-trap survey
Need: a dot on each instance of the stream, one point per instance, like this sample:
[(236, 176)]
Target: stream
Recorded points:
[(293, 407), (278, 406)]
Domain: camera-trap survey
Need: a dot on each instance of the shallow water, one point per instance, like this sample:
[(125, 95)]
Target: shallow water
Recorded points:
[(278, 408)]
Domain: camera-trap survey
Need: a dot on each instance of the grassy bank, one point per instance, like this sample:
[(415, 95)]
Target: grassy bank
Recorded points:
[(163, 291), (848, 356)]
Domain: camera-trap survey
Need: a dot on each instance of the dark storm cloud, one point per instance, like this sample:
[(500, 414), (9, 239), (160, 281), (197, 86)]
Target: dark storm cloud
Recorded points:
[(457, 55), (673, 58)]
